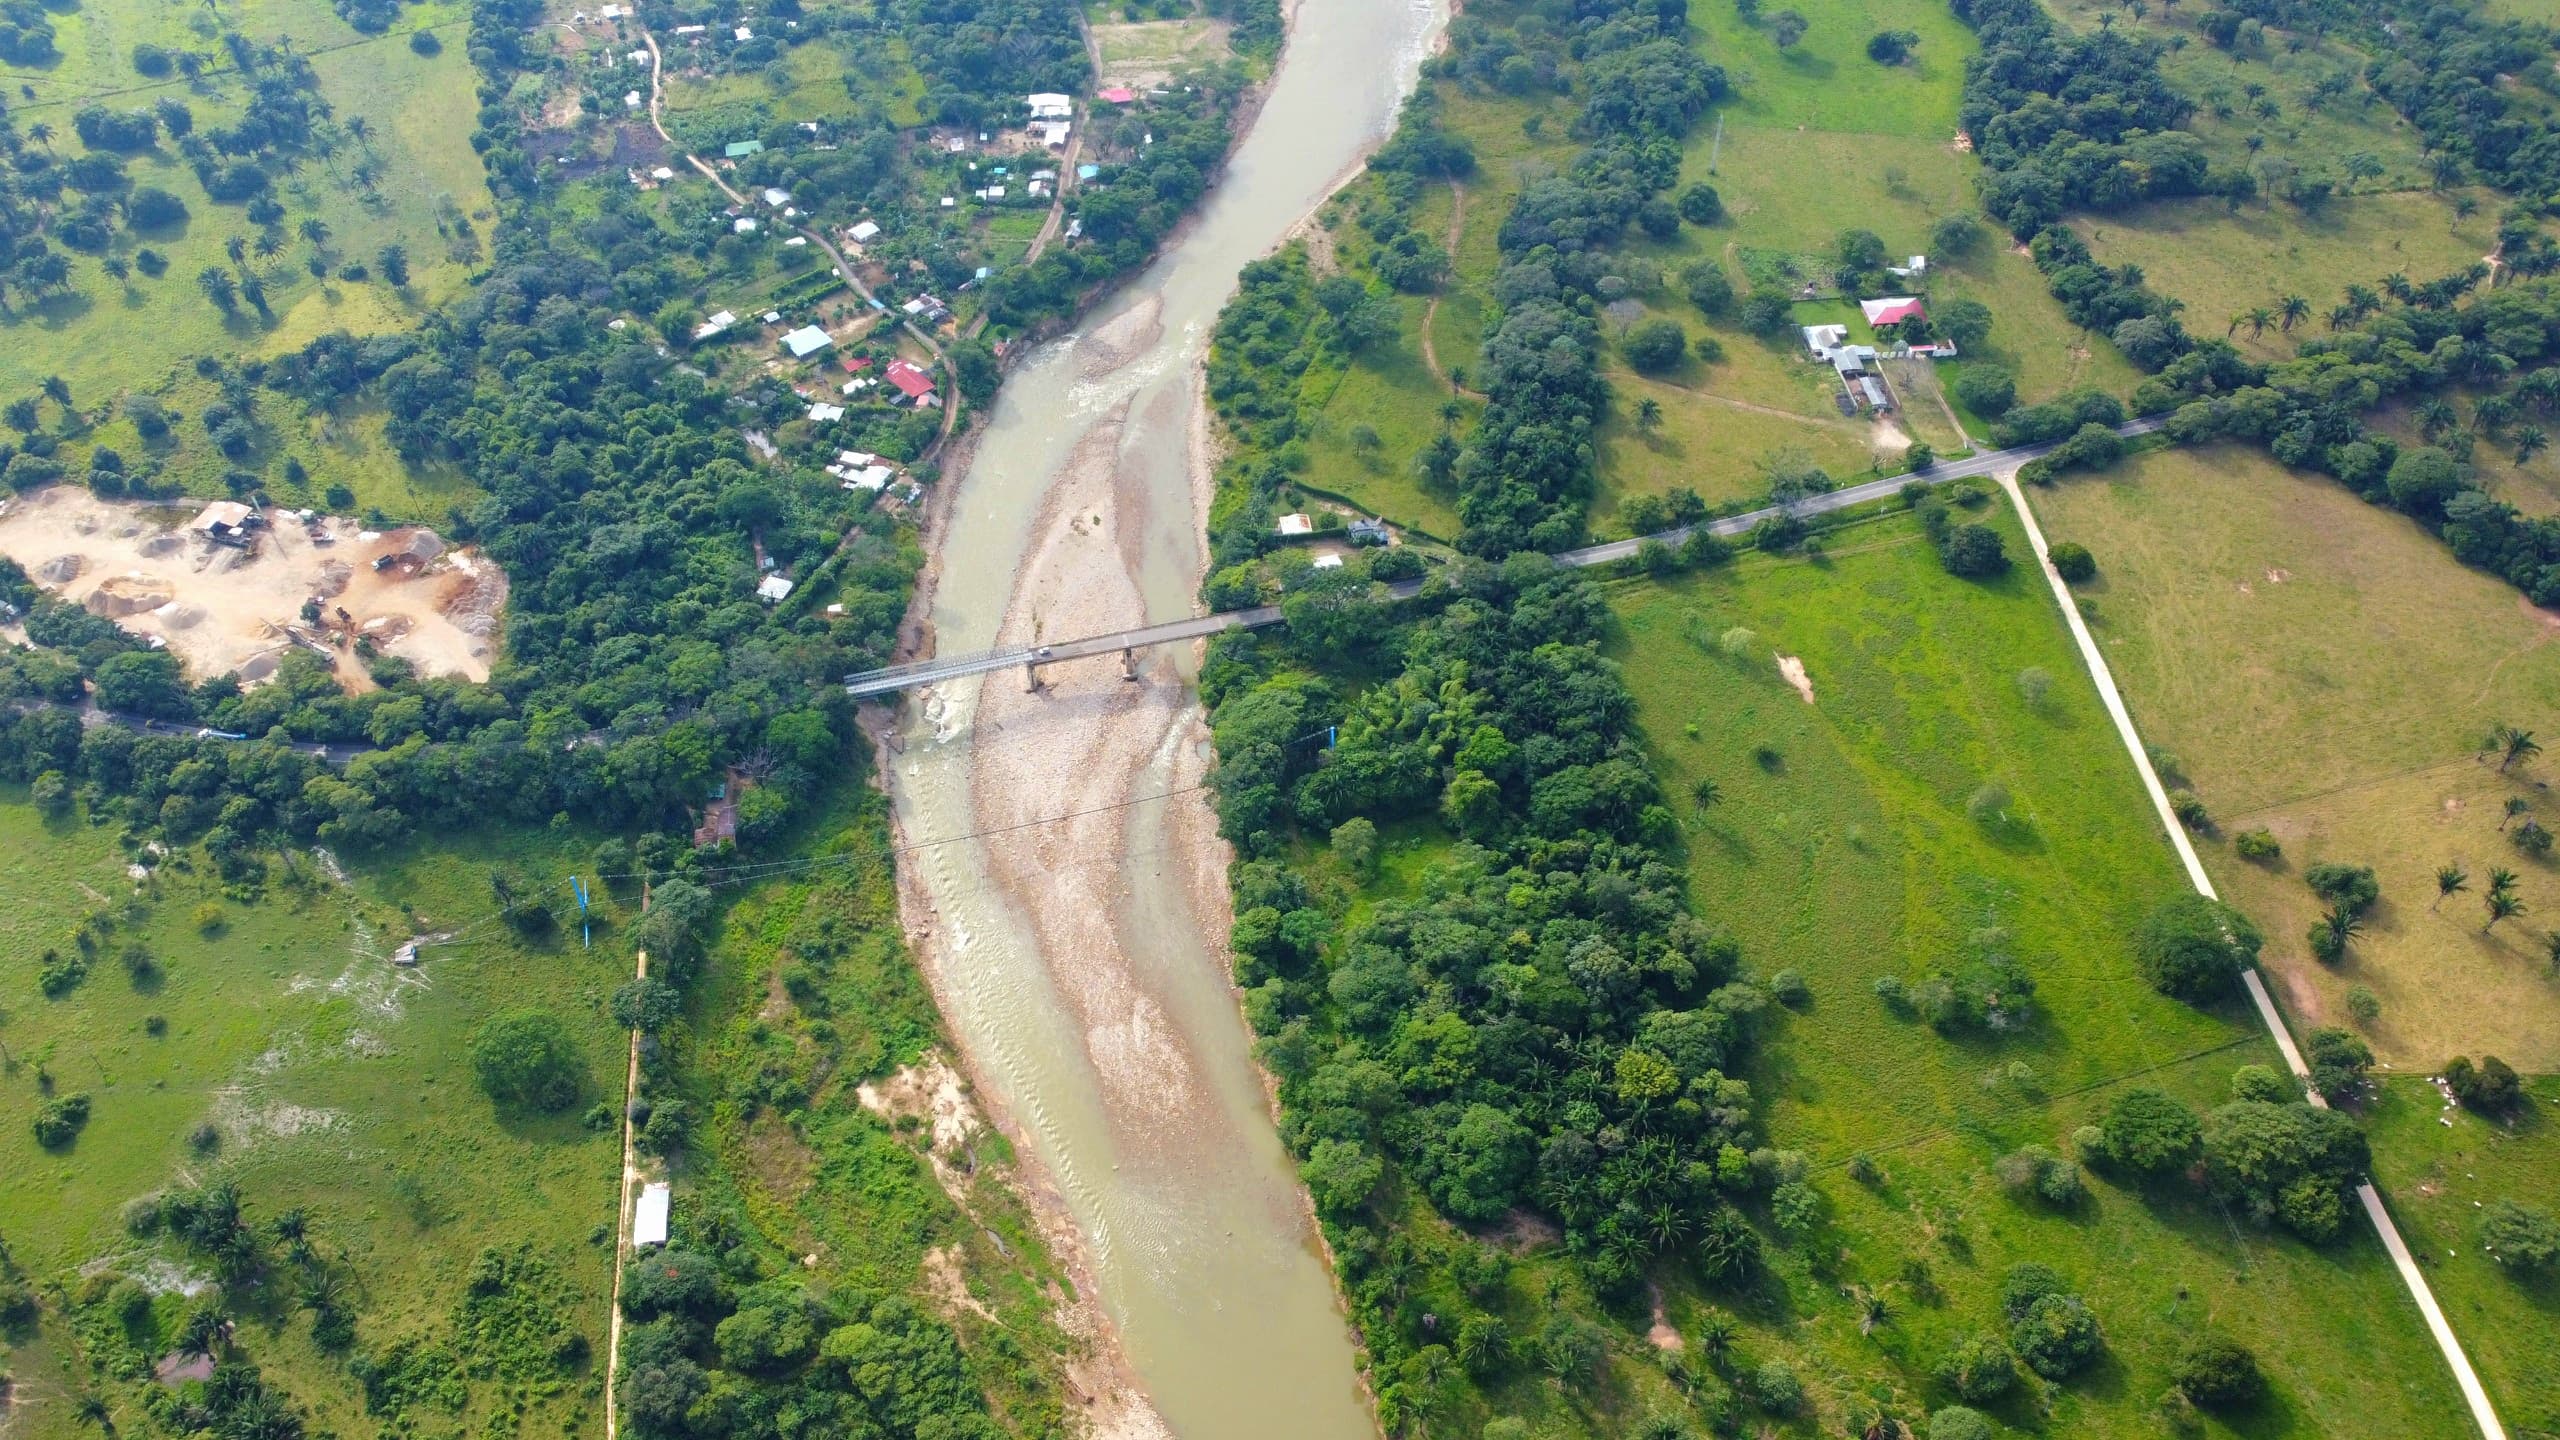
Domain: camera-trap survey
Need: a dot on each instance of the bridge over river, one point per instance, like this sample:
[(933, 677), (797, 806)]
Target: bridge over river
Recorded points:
[(1126, 643)]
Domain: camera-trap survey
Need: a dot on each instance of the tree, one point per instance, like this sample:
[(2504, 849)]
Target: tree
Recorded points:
[(2150, 1132), (2532, 440), (2514, 744), (646, 1003), (2219, 1374), (2351, 888), (2073, 562), (2194, 948), (1975, 552), (1656, 345), (1891, 47), (2490, 1087), (2292, 310), (1958, 1422), (220, 288), (1787, 27), (1340, 1175), (2338, 1061), (2056, 1336), (1986, 390), (1966, 322), (2525, 1239), (2450, 880), (2422, 480), (2501, 905), (393, 261), (1707, 286), (1700, 204), (1648, 414), (1980, 1368), (527, 1059)]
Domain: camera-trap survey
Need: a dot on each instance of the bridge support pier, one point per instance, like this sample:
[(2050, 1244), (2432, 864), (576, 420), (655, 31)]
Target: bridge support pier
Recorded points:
[(1031, 677), (1129, 662)]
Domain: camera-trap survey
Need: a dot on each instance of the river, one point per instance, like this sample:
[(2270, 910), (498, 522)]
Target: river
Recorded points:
[(1076, 944)]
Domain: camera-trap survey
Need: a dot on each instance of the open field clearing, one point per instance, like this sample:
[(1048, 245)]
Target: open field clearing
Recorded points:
[(1842, 849), (2224, 263), (1826, 82), (2440, 1178), (273, 1046), (1152, 52), (1371, 420), (224, 608), (2321, 669), (389, 168)]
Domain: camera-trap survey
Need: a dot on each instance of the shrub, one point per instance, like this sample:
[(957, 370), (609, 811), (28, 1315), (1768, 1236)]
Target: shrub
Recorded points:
[(2338, 1061), (2256, 845), (2189, 807), (2073, 562), (2194, 948), (1700, 204), (424, 42), (1355, 844), (1655, 346), (1777, 1389), (2219, 1374), (2056, 1336), (2050, 1177), (59, 1121), (1979, 1368), (2491, 1087), (526, 1058), (1975, 552), (1956, 1422), (1788, 988), (2523, 1238), (2363, 1004), (2264, 1084), (1986, 390), (2350, 888), (2530, 838)]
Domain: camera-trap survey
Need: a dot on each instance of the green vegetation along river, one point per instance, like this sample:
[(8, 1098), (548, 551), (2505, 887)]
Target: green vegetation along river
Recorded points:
[(1080, 960)]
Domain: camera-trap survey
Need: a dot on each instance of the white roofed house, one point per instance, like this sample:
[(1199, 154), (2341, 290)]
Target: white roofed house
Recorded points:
[(773, 589), (806, 341), (715, 325), (649, 1215), (776, 198), (863, 232), (1049, 106)]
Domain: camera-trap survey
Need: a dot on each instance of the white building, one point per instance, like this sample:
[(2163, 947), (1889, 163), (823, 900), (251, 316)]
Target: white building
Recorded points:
[(822, 412), (806, 341), (773, 590), (862, 232), (744, 225), (649, 1215), (715, 325), (746, 33), (630, 99), (1047, 106), (1297, 525)]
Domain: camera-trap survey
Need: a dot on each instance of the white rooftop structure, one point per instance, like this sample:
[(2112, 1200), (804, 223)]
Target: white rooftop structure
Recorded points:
[(773, 317), (1912, 269), (869, 477), (856, 458), (795, 242), (1297, 525), (1052, 133), (822, 412), (746, 32), (662, 173), (1328, 562), (690, 29), (776, 198), (1049, 106), (806, 341), (744, 225), (649, 1215), (863, 231), (630, 99), (714, 325), (773, 589)]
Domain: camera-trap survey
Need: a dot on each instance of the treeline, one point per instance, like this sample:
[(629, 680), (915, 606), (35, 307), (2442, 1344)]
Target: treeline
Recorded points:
[(1524, 478), (1543, 1026), (2310, 411), (2067, 122)]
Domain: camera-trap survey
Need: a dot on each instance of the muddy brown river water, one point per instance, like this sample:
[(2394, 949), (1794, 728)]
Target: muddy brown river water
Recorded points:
[(1077, 942)]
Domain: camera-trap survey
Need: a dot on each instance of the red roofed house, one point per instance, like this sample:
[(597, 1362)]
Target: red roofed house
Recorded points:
[(1117, 95), (911, 382), (1881, 313), (857, 363)]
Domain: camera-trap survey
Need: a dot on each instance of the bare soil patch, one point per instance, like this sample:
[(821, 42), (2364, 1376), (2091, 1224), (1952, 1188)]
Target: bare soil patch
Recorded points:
[(223, 608)]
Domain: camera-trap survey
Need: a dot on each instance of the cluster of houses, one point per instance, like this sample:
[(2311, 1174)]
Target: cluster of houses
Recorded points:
[(1862, 382)]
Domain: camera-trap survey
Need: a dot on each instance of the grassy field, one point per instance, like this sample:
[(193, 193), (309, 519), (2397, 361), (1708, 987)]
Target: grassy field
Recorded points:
[(1842, 848), (2438, 1175), (2323, 669), (429, 183), (2224, 262), (323, 1079)]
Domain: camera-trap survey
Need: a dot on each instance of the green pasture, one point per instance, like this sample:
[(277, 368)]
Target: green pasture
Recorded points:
[(2439, 1177), (1825, 80), (326, 1079), (1368, 422), (2323, 669), (2223, 262), (1842, 849), (108, 337)]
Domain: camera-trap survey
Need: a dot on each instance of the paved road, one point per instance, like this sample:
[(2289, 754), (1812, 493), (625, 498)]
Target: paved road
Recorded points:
[(927, 672), (2482, 1413)]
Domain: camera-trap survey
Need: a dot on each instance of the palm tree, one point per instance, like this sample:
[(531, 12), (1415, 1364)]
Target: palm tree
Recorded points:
[(2503, 905), (2517, 744), (2343, 925), (1707, 792), (236, 247), (41, 133), (2530, 441), (2397, 286), (314, 230), (2450, 880), (2435, 417), (2551, 947), (1715, 1339), (2502, 881), (2341, 316), (57, 390), (1648, 414), (2516, 805), (117, 268), (2238, 319), (2293, 309), (2362, 300), (2259, 318), (1873, 1310)]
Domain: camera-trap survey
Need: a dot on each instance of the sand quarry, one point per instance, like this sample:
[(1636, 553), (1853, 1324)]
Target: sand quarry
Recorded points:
[(156, 571)]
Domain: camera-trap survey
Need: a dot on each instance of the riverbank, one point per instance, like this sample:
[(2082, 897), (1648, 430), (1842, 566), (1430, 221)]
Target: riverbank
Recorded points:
[(1073, 928)]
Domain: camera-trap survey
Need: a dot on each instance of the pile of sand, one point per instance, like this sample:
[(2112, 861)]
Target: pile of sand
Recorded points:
[(234, 608)]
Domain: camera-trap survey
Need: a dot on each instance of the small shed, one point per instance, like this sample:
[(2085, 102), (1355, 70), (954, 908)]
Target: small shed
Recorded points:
[(225, 520), (864, 232), (806, 341), (744, 225), (649, 1215), (1297, 525), (715, 325), (822, 412), (1116, 95), (1369, 532), (773, 589), (1328, 562), (776, 196), (741, 149)]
